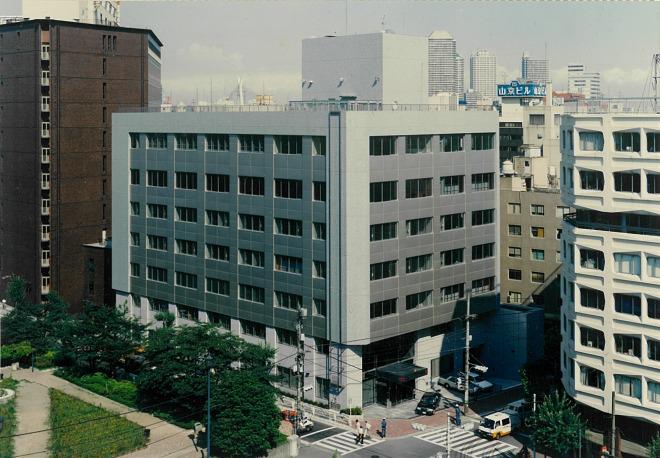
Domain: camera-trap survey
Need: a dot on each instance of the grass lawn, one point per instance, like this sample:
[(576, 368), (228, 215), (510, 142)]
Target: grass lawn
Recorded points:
[(81, 429), (8, 411)]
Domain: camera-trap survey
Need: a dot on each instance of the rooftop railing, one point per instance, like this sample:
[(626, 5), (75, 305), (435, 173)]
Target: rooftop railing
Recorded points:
[(613, 105)]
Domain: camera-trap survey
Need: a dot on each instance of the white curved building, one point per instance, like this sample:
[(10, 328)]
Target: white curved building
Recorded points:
[(611, 255)]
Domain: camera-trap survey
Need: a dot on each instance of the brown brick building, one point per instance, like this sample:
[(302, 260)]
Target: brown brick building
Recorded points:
[(60, 82)]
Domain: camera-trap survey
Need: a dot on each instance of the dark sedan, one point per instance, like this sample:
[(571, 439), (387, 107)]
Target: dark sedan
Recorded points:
[(429, 403)]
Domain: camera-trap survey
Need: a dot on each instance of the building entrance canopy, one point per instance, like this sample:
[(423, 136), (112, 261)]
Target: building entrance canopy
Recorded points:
[(401, 372)]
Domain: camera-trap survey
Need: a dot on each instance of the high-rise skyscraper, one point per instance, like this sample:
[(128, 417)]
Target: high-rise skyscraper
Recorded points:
[(582, 82), (537, 70), (442, 63), (459, 75), (483, 73), (86, 11)]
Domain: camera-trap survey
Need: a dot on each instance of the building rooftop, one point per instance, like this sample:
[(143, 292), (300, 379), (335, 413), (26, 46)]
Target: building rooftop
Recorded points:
[(440, 35), (631, 105)]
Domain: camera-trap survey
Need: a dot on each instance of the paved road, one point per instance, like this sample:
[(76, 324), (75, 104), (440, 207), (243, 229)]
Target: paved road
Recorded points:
[(32, 409)]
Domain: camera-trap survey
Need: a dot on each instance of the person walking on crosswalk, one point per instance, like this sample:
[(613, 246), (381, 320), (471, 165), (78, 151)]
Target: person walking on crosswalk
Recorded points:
[(359, 437)]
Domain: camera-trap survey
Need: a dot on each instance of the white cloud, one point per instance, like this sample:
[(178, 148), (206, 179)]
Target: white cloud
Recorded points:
[(619, 77), (214, 56), (506, 75)]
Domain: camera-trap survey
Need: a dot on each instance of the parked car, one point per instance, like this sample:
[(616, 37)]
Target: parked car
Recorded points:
[(450, 382), (518, 411), (478, 379), (429, 403), (495, 425)]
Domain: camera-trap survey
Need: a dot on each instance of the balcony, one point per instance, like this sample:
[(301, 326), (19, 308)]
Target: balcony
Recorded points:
[(45, 259), (45, 78), (45, 131), (45, 285), (45, 106), (45, 182), (45, 52), (45, 155), (573, 220), (45, 207), (45, 232)]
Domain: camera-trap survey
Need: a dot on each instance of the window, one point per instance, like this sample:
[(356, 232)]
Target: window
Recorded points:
[(187, 313), (217, 183), (318, 231), (290, 264), (482, 181), (217, 142), (654, 387), (134, 138), (590, 337), (251, 222), (483, 251), (558, 234), (538, 255), (322, 346), (186, 141), (626, 141), (592, 298), (592, 377), (419, 187), (221, 321), (217, 286), (104, 66), (135, 269), (416, 300), (319, 307), (626, 182), (515, 229), (157, 242), (157, 178), (382, 146), (384, 231), (157, 306), (286, 337), (382, 308), (383, 191), (188, 247), (592, 259), (628, 386), (135, 208), (653, 266), (628, 304), (251, 257), (653, 308), (425, 262), (287, 378), (451, 184), (288, 144), (418, 144), (382, 270), (322, 388), (653, 349), (483, 285), (135, 239), (186, 214), (449, 222), (288, 189), (251, 185), (157, 141), (538, 277), (185, 280), (515, 252), (418, 226), (653, 183), (482, 141), (628, 345), (251, 143), (591, 141), (451, 257), (157, 274), (536, 119), (515, 297), (104, 115), (481, 217), (515, 274), (318, 146), (537, 232), (186, 180), (451, 293), (217, 252), (627, 263), (251, 328), (451, 143), (537, 210), (251, 293), (513, 208), (653, 142), (319, 191), (318, 270), (288, 300), (217, 218), (284, 226)]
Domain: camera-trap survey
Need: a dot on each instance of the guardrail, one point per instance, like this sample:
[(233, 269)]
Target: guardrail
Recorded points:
[(317, 412)]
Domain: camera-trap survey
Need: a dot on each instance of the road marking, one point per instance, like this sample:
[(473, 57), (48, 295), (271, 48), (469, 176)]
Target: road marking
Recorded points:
[(319, 431), (467, 443), (344, 442)]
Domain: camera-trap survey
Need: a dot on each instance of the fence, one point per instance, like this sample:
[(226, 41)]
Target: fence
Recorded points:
[(317, 412)]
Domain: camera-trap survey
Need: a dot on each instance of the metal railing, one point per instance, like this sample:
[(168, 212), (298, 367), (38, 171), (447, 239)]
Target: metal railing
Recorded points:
[(572, 219), (613, 105)]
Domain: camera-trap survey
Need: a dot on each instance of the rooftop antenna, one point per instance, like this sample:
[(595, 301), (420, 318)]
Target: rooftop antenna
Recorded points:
[(382, 22), (654, 80)]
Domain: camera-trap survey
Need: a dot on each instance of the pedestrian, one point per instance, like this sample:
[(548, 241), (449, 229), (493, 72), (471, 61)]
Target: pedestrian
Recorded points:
[(357, 430), (368, 429), (383, 428), (359, 438), (457, 411)]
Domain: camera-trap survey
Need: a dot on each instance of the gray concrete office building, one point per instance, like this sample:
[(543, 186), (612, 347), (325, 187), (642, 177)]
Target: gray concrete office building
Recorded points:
[(368, 219)]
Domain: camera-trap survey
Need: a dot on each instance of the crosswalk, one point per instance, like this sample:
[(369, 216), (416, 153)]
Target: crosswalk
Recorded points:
[(344, 442), (468, 443)]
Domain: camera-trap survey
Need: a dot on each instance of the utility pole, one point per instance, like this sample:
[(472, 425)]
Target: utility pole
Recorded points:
[(654, 81), (448, 430), (534, 410), (300, 366), (208, 426), (467, 354), (613, 439)]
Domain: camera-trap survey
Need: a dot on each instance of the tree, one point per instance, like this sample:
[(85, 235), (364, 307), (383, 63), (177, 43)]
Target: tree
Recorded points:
[(245, 415), (557, 426), (100, 339), (654, 447)]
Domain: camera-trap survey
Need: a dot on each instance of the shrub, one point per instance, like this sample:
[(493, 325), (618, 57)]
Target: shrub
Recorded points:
[(45, 361), (17, 352), (352, 411), (122, 391), (9, 413)]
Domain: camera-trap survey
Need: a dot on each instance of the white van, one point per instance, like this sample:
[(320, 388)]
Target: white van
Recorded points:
[(495, 425)]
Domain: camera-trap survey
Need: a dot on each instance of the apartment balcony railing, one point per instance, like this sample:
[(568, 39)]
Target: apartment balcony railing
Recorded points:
[(45, 155), (45, 285), (45, 55), (45, 233), (45, 81), (45, 185), (45, 106), (45, 133), (45, 208), (572, 219), (45, 261)]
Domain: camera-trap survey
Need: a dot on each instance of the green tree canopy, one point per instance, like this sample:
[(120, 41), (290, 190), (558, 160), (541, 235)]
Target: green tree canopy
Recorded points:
[(556, 426), (654, 447)]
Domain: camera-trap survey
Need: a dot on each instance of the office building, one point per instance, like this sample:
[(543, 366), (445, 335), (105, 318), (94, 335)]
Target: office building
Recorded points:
[(366, 216), (460, 75), (535, 70), (60, 84), (442, 63), (483, 74), (611, 273), (586, 84), (97, 12), (392, 68)]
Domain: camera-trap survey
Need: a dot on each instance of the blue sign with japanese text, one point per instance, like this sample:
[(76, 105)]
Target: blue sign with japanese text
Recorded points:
[(517, 89)]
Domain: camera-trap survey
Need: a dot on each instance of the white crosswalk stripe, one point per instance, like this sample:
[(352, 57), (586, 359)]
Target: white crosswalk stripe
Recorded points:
[(344, 442), (468, 443)]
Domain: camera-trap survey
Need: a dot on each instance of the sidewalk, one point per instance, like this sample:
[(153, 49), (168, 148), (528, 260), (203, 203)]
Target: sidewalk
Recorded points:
[(32, 409), (403, 427), (165, 439)]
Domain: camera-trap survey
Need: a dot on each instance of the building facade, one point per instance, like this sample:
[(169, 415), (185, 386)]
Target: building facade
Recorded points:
[(97, 12), (442, 63), (537, 70), (366, 219), (483, 71), (582, 82), (61, 81), (460, 75), (611, 274)]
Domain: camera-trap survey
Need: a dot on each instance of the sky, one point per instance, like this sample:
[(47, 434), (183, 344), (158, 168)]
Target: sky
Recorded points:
[(208, 44)]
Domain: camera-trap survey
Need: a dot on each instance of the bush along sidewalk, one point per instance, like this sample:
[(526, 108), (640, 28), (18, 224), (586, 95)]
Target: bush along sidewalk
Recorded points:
[(8, 412)]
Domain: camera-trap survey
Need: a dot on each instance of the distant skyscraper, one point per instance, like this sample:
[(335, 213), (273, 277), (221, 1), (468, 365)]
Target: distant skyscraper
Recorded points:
[(582, 82), (459, 74), (86, 11), (535, 69), (442, 63), (483, 73)]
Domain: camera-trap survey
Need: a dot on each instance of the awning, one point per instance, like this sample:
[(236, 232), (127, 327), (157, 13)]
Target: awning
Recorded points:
[(401, 372)]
